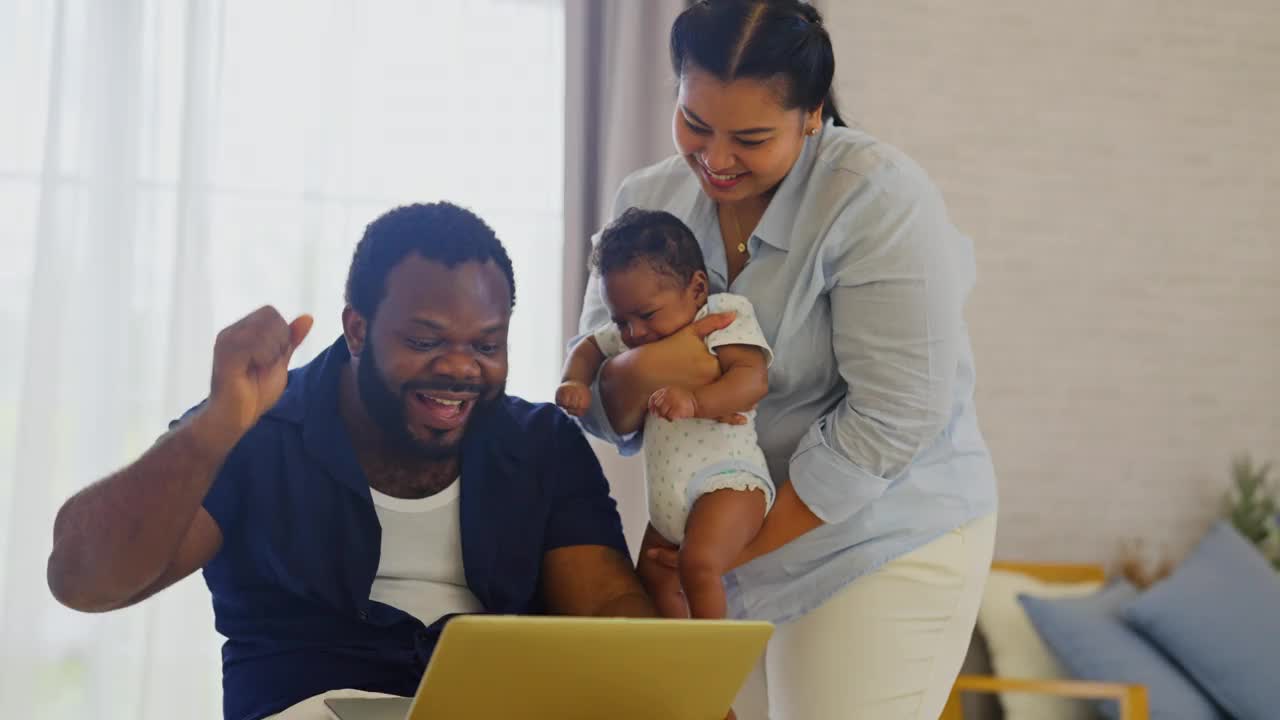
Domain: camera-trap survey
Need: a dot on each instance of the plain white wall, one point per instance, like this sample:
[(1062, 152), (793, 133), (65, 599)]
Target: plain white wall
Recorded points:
[(1118, 166)]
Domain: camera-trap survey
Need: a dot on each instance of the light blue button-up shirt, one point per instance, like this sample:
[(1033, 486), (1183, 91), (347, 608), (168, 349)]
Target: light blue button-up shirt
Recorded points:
[(859, 281)]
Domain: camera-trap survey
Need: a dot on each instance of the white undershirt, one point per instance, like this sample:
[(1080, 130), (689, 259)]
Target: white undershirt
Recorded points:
[(420, 571)]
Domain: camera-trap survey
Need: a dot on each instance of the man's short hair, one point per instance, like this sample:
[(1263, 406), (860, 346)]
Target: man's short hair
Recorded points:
[(439, 231)]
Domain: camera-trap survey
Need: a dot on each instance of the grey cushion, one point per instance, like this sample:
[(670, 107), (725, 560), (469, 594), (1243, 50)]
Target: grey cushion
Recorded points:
[(1092, 642), (1218, 616)]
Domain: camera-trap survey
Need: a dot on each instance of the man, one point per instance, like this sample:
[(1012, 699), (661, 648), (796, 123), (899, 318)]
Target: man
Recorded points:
[(343, 511)]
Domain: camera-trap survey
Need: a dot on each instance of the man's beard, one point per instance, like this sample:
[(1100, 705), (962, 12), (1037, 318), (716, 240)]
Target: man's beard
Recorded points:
[(387, 408)]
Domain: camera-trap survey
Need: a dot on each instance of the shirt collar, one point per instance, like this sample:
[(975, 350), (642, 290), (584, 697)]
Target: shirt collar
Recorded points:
[(311, 385), (779, 218), (311, 400)]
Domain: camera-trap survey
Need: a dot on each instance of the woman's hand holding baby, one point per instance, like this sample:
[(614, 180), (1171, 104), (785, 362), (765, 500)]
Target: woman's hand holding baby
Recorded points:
[(686, 351), (676, 403), (681, 359)]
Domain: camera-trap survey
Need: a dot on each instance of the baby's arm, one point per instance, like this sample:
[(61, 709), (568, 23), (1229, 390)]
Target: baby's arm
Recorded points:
[(574, 393), (744, 381)]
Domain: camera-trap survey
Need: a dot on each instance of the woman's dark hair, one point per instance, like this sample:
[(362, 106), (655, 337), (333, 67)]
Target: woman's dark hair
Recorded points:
[(654, 237), (761, 39)]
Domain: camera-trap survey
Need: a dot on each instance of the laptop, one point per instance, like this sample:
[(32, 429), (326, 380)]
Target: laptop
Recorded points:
[(573, 668)]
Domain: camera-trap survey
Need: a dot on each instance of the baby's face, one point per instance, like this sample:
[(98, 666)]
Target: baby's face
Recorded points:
[(648, 305)]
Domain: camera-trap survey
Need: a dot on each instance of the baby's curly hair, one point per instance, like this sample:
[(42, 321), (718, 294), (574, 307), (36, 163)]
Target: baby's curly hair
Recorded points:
[(652, 236)]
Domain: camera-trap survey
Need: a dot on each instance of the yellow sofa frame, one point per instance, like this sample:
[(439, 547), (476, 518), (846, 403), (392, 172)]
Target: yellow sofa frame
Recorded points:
[(1132, 699)]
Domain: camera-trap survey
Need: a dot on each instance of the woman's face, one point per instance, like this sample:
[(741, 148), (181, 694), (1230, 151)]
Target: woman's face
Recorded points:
[(736, 136)]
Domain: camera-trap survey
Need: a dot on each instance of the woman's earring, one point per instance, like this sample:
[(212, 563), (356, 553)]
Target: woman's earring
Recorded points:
[(811, 132)]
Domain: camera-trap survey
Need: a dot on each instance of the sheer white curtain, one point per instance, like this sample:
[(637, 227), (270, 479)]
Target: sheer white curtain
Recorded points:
[(165, 167), (620, 93)]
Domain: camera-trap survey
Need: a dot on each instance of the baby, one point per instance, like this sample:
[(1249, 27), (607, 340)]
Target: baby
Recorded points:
[(709, 487)]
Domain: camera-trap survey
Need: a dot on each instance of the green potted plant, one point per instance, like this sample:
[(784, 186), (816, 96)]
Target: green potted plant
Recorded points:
[(1252, 506)]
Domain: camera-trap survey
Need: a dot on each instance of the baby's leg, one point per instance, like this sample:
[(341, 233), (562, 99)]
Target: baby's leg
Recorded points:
[(720, 525), (662, 582), (668, 598)]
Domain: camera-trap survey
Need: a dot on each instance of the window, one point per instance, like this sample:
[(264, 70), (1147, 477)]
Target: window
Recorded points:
[(172, 166)]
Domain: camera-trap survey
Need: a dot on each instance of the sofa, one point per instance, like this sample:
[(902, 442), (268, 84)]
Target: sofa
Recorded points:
[(1198, 644), (974, 695)]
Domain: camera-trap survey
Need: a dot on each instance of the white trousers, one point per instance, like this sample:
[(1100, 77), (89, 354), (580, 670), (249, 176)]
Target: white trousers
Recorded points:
[(887, 647)]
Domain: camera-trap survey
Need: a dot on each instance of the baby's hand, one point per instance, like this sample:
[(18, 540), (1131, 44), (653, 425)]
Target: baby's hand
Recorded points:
[(574, 397), (673, 403)]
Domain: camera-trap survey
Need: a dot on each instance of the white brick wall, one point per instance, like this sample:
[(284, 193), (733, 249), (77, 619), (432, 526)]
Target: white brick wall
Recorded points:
[(1118, 165)]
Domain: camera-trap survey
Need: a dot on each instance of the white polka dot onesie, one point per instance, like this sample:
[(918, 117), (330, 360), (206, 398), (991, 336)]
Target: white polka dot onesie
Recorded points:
[(687, 458)]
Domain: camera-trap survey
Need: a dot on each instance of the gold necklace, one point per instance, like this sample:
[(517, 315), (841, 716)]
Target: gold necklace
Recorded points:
[(737, 230)]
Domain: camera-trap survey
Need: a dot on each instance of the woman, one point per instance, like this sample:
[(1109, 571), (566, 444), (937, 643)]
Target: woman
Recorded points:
[(873, 558)]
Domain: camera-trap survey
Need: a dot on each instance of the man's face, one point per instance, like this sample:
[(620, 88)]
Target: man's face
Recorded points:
[(436, 349)]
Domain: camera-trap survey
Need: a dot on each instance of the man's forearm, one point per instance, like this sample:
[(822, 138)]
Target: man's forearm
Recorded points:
[(632, 604), (593, 581), (115, 537)]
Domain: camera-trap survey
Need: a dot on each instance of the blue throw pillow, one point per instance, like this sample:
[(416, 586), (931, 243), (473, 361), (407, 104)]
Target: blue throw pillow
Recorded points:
[(1092, 642), (1218, 616)]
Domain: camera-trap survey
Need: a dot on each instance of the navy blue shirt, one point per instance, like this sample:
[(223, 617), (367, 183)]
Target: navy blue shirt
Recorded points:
[(301, 541)]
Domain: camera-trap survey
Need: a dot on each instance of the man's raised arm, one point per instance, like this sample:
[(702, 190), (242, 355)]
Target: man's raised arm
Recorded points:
[(135, 532)]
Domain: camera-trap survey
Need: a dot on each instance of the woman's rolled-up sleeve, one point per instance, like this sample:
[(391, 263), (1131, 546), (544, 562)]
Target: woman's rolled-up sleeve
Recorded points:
[(896, 273)]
